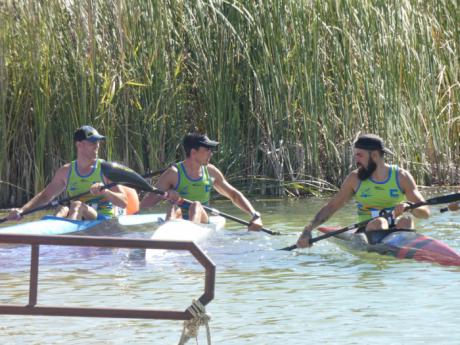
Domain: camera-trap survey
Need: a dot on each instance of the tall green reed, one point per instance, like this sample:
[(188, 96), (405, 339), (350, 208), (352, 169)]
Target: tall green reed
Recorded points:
[(284, 85)]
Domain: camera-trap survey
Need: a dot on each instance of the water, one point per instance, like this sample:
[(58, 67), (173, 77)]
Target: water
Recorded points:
[(323, 295)]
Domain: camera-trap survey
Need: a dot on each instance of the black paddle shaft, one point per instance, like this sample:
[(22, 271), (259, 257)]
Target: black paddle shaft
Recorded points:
[(235, 219)]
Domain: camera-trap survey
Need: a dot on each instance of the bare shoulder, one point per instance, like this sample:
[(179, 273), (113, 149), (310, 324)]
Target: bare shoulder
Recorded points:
[(214, 172), (172, 170), (405, 176), (63, 171), (60, 177), (346, 192), (169, 178), (213, 169), (351, 181), (404, 173), (406, 180)]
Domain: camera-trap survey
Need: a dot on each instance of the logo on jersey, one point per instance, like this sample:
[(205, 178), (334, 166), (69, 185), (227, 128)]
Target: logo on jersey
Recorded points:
[(72, 187), (394, 193), (365, 193)]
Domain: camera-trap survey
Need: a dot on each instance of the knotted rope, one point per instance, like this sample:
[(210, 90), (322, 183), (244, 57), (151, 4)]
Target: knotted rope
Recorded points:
[(191, 327)]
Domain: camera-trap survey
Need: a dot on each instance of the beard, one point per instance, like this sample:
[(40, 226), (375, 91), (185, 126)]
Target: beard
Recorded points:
[(365, 173)]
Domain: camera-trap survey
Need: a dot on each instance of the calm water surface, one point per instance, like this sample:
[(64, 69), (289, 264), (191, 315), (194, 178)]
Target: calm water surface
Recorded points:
[(323, 295)]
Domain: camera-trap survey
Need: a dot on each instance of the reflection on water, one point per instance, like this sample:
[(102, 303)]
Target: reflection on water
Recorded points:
[(263, 296)]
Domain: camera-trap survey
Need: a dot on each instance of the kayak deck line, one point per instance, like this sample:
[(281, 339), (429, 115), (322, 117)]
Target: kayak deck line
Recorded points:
[(402, 245)]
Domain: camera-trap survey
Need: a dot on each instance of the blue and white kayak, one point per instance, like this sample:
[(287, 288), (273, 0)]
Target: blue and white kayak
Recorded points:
[(51, 225)]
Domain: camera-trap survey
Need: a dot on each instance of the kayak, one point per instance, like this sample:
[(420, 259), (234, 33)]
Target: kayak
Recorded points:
[(402, 245), (184, 230), (51, 225)]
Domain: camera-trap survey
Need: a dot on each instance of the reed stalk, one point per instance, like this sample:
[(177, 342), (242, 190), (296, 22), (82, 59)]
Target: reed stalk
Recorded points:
[(285, 86)]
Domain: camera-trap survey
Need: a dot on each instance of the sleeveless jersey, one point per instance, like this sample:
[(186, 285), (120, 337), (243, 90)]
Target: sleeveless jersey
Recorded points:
[(371, 196), (193, 189), (77, 183)]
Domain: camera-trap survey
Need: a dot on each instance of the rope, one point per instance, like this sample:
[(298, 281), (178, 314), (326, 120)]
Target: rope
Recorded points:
[(191, 327)]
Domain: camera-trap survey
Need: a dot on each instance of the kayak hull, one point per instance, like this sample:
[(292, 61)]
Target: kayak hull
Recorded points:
[(184, 230), (51, 225), (402, 245)]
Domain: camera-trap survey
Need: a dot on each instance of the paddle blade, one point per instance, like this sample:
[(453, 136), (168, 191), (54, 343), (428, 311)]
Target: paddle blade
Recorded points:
[(444, 199), (123, 175)]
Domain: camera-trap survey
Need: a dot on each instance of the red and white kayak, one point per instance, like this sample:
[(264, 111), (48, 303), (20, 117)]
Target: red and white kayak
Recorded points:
[(402, 245)]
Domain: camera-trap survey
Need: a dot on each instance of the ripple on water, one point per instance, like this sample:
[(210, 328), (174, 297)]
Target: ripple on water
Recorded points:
[(324, 295)]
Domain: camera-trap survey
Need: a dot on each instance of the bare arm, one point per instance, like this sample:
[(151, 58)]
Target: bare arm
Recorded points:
[(226, 189), (51, 191), (167, 181), (412, 194), (115, 194), (223, 187), (345, 194)]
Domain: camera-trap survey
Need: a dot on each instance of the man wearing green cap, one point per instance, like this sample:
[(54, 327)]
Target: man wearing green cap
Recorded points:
[(193, 179), (376, 186), (79, 176)]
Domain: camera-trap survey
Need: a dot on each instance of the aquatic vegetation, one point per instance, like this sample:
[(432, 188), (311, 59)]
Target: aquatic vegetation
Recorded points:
[(285, 85)]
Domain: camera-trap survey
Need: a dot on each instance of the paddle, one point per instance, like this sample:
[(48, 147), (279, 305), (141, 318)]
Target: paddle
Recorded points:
[(235, 219), (114, 172), (444, 199), (213, 211), (445, 209)]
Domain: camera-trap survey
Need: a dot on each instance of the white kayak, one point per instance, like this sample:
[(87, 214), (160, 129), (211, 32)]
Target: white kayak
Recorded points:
[(184, 230)]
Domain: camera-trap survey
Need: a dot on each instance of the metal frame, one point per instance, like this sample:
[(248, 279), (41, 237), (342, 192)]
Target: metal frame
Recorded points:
[(104, 242)]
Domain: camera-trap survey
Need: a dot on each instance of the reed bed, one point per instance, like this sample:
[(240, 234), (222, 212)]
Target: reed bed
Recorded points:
[(285, 85)]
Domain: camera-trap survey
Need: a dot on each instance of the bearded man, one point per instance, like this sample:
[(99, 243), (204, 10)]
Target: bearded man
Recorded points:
[(382, 193)]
